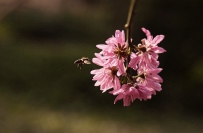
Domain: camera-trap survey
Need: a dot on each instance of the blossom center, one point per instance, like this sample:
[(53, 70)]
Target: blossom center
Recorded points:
[(143, 49), (113, 70), (121, 51), (142, 76)]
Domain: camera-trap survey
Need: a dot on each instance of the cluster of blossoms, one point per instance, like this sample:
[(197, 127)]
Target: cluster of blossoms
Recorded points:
[(119, 62)]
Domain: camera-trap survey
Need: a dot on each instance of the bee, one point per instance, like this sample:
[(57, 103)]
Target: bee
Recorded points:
[(82, 61)]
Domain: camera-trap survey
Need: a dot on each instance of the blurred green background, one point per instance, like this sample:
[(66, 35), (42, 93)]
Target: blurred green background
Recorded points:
[(42, 91)]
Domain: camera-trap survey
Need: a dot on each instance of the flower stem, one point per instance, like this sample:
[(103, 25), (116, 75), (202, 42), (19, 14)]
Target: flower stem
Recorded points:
[(128, 31), (128, 25)]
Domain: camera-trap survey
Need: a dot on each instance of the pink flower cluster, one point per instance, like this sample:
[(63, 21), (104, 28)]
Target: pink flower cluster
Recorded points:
[(118, 60)]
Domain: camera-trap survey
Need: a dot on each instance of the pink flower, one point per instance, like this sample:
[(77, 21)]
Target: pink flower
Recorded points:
[(150, 79), (115, 51), (148, 51), (151, 43), (147, 83), (113, 44), (130, 92), (113, 59), (105, 77)]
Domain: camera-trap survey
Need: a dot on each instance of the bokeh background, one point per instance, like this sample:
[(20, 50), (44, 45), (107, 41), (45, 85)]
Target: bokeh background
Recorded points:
[(42, 91)]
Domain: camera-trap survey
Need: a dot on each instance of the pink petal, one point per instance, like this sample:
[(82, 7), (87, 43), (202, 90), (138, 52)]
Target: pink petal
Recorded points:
[(147, 32), (157, 39), (121, 67), (126, 101), (134, 61), (97, 62), (119, 97), (94, 71), (120, 37), (158, 50), (117, 84), (102, 46)]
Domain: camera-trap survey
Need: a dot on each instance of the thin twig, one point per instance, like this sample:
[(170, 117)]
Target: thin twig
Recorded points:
[(128, 25), (128, 33)]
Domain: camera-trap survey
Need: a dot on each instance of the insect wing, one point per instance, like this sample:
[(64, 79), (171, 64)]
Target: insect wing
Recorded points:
[(87, 62)]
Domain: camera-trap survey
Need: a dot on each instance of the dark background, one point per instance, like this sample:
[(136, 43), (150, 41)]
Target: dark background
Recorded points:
[(41, 90)]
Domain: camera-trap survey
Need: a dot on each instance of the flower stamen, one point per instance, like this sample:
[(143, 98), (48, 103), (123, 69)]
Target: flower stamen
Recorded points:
[(121, 51)]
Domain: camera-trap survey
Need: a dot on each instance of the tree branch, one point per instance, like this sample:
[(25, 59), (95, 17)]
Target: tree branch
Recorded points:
[(128, 33), (128, 25)]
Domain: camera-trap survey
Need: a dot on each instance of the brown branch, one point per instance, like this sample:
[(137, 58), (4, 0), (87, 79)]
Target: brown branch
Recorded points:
[(128, 33), (128, 25)]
